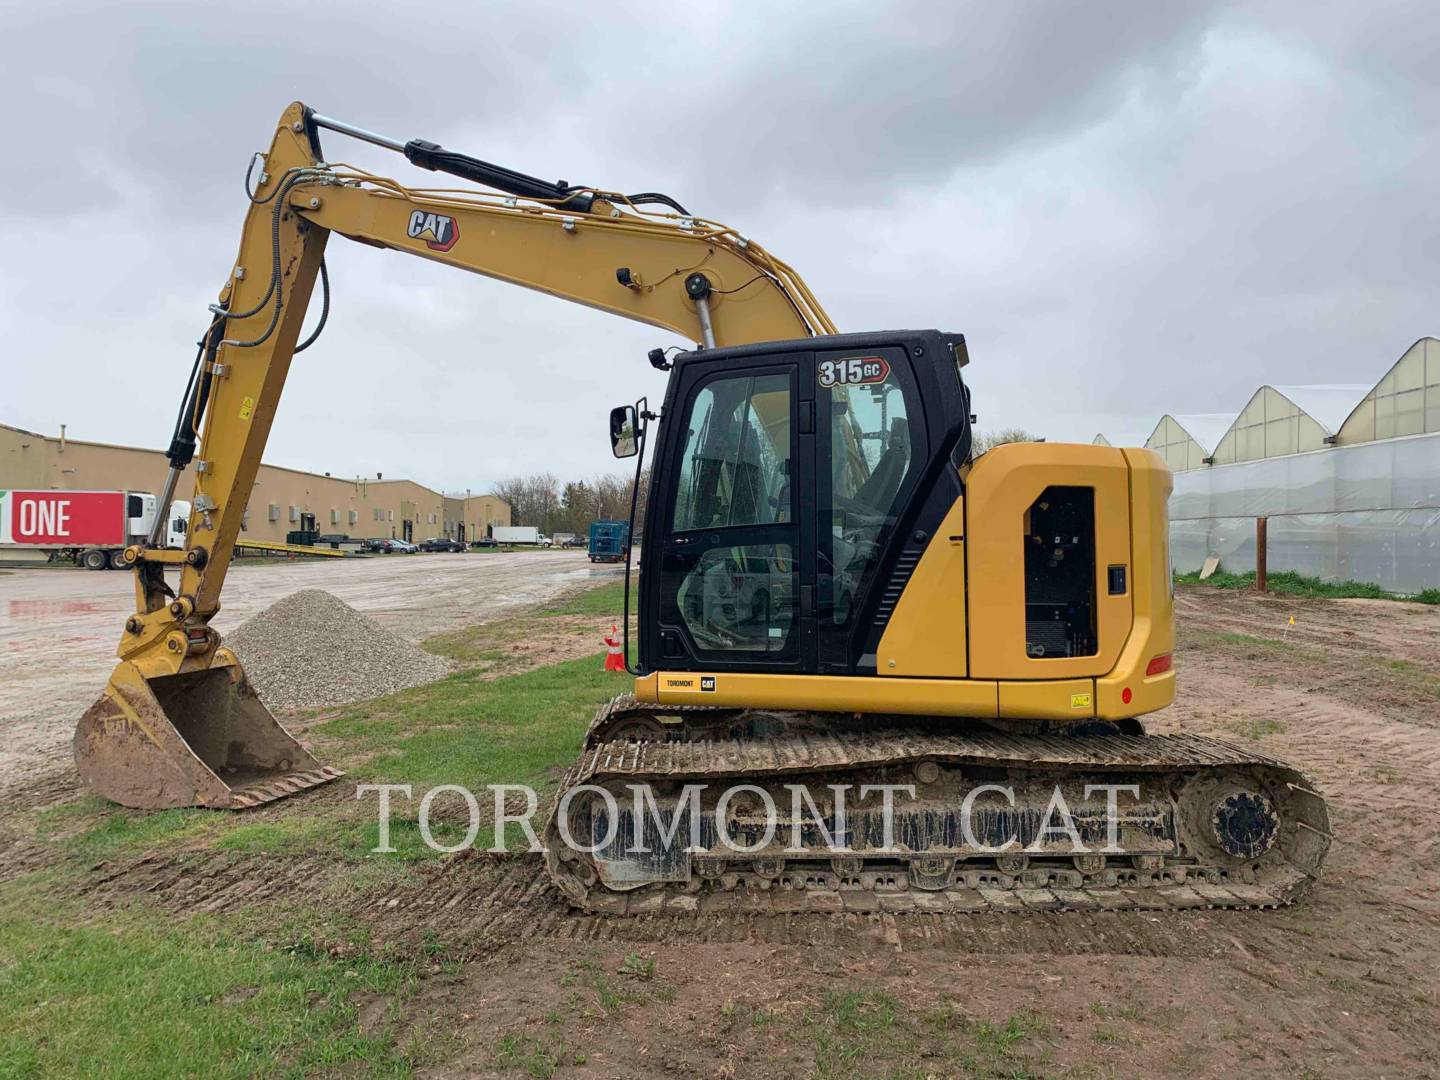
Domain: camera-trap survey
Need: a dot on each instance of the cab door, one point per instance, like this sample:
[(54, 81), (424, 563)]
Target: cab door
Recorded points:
[(737, 525)]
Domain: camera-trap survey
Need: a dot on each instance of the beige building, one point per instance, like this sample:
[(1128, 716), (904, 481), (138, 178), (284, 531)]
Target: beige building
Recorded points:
[(283, 501), (470, 517), (474, 516)]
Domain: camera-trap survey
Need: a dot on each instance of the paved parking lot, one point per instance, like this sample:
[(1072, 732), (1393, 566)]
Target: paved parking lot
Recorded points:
[(59, 626)]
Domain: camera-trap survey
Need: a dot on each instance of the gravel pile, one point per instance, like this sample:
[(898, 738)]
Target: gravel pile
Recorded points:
[(314, 649)]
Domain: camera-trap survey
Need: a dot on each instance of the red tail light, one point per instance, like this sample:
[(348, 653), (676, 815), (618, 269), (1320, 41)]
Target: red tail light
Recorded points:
[(1158, 665)]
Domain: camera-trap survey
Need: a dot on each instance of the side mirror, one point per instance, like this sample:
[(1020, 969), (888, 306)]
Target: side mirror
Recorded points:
[(623, 428)]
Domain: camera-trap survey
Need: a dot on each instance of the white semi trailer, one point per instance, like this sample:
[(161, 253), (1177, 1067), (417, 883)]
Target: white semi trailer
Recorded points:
[(91, 528)]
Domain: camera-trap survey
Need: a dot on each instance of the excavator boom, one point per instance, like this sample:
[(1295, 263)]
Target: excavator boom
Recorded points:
[(178, 723)]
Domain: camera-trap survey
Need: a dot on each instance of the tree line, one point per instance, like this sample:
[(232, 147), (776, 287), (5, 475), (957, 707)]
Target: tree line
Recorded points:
[(543, 500)]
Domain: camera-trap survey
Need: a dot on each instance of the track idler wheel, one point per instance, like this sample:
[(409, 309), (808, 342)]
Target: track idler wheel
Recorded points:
[(1245, 824)]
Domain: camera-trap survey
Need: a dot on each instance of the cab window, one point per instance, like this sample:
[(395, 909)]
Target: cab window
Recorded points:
[(870, 459), (735, 469)]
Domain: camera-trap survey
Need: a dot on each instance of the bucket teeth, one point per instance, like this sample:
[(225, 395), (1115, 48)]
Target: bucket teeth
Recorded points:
[(259, 794)]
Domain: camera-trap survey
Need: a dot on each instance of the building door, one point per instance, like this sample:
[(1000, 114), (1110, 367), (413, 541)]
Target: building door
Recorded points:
[(408, 531)]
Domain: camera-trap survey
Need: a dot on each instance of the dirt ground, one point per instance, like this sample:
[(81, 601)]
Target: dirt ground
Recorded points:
[(59, 625), (1341, 984)]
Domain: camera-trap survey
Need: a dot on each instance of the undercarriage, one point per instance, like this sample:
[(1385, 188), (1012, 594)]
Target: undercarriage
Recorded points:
[(699, 808)]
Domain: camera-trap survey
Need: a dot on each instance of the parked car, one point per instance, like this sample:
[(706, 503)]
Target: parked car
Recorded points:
[(404, 547), (441, 543), (379, 545), (484, 542)]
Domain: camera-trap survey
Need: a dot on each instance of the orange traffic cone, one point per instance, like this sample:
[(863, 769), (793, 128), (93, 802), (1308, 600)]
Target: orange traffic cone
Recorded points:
[(615, 657)]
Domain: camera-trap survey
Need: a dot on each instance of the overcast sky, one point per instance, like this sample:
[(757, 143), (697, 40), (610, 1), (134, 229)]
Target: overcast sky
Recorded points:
[(1127, 209)]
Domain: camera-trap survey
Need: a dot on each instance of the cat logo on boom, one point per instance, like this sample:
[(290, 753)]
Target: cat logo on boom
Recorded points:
[(439, 231)]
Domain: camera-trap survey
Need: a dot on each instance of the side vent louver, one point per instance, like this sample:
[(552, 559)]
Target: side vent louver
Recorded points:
[(904, 567)]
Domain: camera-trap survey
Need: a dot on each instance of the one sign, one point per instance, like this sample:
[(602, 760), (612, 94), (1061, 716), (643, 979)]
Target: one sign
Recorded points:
[(63, 518)]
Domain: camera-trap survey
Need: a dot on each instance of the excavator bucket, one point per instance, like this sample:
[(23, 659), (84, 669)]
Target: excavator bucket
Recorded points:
[(199, 738)]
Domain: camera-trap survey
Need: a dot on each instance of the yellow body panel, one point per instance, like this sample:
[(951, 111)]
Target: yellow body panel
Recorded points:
[(1065, 699), (1153, 631), (926, 634), (822, 693), (1000, 489)]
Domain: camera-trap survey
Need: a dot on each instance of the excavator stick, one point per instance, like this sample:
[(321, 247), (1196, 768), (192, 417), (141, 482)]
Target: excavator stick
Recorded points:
[(179, 724), (198, 738)]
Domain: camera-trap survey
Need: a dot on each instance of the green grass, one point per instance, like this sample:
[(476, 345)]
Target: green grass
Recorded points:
[(135, 996), (473, 731), (528, 1055), (490, 644), (467, 730), (604, 600), (868, 1033), (1289, 583), (1415, 679), (117, 830), (1256, 728), (475, 646)]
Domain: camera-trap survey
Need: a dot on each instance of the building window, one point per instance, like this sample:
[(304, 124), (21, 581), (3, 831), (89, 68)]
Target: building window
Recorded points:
[(354, 517), (294, 514), (334, 516), (274, 511)]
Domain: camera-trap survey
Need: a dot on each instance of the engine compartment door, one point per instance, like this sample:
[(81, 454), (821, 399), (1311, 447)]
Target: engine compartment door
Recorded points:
[(1050, 569)]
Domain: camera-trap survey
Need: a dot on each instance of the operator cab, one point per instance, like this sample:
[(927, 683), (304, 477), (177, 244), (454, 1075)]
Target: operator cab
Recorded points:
[(795, 485)]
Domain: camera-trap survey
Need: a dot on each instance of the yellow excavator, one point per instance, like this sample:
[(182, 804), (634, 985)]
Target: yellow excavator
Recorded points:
[(837, 594)]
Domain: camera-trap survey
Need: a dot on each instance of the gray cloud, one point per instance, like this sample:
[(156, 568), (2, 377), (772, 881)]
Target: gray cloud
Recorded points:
[(1127, 208)]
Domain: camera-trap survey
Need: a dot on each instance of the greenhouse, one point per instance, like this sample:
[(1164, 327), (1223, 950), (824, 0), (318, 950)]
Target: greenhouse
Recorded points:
[(1186, 441), (1347, 476)]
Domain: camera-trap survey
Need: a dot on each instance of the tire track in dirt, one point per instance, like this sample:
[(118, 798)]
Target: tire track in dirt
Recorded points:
[(486, 903), (1342, 984), (1383, 771)]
